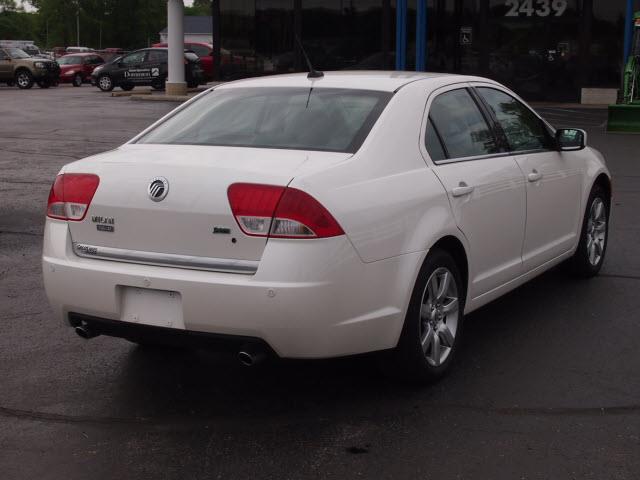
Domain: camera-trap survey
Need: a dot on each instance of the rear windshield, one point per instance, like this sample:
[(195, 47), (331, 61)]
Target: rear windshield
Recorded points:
[(325, 119)]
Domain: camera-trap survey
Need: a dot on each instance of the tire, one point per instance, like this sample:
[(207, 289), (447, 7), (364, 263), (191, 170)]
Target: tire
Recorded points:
[(438, 325), (77, 80), (105, 83), (24, 79), (44, 84), (127, 87), (594, 235), (160, 85)]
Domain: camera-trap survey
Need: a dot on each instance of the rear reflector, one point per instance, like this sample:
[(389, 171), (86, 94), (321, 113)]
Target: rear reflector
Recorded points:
[(71, 195), (280, 212)]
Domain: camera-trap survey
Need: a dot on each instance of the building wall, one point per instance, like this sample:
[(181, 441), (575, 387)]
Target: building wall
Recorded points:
[(191, 37), (545, 50)]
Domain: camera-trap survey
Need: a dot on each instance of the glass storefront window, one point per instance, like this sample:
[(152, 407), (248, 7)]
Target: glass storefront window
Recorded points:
[(543, 49)]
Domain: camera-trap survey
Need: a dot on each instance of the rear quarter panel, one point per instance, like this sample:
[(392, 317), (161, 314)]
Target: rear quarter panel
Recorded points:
[(387, 200)]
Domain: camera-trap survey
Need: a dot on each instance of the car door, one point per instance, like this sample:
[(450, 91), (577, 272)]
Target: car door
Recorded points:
[(156, 62), (6, 71), (554, 178), (485, 186), (130, 70)]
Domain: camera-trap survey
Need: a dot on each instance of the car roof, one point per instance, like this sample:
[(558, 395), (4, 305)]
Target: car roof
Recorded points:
[(80, 54), (388, 81)]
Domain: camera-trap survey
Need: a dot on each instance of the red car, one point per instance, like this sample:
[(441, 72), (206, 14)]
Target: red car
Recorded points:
[(202, 50), (76, 68)]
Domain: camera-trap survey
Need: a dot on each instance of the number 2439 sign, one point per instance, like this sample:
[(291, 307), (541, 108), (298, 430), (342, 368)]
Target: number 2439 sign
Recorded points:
[(538, 8)]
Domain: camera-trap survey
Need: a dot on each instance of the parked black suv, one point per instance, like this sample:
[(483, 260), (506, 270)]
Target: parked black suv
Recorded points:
[(148, 66)]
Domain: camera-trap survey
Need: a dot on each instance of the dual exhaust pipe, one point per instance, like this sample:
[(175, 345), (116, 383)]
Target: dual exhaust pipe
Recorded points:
[(249, 355)]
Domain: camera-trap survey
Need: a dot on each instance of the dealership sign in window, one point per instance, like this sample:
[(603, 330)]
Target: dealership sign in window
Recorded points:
[(535, 8)]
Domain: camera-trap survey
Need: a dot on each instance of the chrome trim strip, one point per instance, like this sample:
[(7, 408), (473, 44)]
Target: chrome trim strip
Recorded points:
[(247, 267)]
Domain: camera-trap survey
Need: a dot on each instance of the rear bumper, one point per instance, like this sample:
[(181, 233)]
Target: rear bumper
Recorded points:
[(308, 299), (166, 336)]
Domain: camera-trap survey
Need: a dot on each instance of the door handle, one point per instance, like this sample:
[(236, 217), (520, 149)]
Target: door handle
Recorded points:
[(461, 190), (534, 176)]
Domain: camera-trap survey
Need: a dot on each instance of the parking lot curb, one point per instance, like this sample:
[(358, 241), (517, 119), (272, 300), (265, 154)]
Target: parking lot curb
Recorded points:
[(161, 98), (128, 94)]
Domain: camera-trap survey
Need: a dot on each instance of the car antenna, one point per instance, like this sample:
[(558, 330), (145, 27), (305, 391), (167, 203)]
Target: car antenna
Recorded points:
[(313, 73)]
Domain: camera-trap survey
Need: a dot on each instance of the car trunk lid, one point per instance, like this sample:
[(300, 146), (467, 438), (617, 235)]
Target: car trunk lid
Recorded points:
[(195, 218)]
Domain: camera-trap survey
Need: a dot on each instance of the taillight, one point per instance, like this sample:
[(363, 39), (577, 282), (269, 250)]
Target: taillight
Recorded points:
[(71, 195), (280, 212)]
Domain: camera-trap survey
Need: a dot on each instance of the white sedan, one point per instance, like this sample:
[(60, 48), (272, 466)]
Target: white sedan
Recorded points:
[(319, 217)]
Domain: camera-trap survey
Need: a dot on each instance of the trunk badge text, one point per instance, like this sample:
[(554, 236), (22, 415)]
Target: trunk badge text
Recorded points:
[(158, 189), (104, 224)]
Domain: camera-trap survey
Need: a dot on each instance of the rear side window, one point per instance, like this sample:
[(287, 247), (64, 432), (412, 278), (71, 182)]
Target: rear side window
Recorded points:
[(433, 143), (462, 127), (159, 56), (199, 50), (523, 129), (325, 119)]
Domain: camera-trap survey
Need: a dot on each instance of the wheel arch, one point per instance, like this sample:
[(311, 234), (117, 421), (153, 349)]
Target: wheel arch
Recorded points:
[(454, 247), (603, 181), (20, 69)]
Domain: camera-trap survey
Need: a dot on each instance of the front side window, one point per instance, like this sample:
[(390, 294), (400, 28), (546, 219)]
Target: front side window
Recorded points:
[(461, 126), (134, 58), (523, 129), (17, 53), (325, 119)]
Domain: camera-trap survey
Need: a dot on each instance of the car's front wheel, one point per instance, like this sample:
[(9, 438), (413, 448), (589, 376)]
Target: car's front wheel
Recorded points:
[(433, 325), (105, 83), (589, 256), (24, 79)]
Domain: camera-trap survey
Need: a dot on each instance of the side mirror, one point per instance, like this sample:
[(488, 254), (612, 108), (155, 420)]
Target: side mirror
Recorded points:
[(571, 139)]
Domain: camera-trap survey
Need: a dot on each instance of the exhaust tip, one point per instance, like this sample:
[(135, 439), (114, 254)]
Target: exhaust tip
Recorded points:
[(246, 359), (84, 332), (251, 355)]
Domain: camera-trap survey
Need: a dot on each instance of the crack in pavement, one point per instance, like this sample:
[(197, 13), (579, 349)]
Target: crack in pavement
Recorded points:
[(42, 154), (27, 182), (614, 275), (32, 234), (34, 415)]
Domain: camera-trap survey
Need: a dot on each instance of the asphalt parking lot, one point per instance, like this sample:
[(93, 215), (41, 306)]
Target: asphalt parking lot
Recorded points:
[(547, 385)]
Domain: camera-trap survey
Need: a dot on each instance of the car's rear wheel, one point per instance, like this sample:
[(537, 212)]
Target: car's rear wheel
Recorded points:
[(24, 79), (433, 325), (105, 83), (159, 85), (589, 256), (127, 86), (77, 80)]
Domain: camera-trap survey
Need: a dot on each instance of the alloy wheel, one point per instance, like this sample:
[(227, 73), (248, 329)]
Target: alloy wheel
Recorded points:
[(105, 82), (439, 315), (596, 231), (23, 79)]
